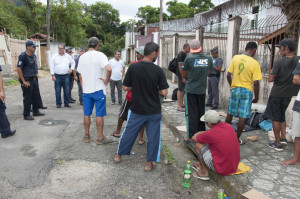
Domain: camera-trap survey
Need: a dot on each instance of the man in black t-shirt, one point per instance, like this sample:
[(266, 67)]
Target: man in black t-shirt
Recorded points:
[(282, 91), (147, 81), (181, 81)]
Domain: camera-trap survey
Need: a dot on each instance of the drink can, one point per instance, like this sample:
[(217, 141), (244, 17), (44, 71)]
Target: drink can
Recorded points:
[(221, 194)]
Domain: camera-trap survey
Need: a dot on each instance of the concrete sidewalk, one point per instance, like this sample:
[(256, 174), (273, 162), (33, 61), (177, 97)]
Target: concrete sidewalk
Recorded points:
[(266, 174)]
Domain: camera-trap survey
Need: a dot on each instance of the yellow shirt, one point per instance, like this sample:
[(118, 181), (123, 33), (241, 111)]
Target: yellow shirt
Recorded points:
[(245, 71)]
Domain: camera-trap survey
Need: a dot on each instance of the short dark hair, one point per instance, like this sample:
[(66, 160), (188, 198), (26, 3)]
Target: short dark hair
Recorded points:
[(92, 46), (117, 51), (150, 47), (251, 45), (186, 45)]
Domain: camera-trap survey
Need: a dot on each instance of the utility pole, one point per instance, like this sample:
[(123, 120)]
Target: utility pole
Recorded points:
[(161, 16), (48, 33)]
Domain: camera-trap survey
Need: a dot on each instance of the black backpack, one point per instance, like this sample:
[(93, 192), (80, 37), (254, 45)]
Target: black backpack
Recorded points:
[(255, 119), (174, 94), (173, 65)]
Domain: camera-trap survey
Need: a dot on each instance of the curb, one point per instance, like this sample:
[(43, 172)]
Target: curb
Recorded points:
[(231, 184)]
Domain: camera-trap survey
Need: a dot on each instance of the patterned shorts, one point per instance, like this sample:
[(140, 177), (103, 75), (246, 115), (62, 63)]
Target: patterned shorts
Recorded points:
[(240, 102), (205, 154)]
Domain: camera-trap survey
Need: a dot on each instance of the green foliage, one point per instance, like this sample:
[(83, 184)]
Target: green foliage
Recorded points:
[(201, 5), (12, 82), (150, 14), (179, 10)]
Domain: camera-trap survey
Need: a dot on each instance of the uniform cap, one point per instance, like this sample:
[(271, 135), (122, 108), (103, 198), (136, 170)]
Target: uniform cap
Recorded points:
[(214, 50), (93, 41), (140, 50), (211, 116), (30, 43)]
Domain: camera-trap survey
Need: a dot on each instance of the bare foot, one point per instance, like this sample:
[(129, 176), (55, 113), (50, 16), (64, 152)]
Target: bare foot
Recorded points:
[(116, 134), (197, 165), (290, 162), (187, 140)]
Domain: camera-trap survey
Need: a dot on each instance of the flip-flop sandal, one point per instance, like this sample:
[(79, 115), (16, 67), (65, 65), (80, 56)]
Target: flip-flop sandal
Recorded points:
[(242, 142), (115, 135), (141, 142), (117, 161), (86, 139), (181, 109), (205, 178), (187, 141), (194, 167), (151, 168), (103, 141)]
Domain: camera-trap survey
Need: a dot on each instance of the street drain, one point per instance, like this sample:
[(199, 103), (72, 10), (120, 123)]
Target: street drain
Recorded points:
[(51, 122)]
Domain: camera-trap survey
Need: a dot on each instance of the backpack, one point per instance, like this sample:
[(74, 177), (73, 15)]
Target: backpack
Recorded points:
[(173, 65), (255, 119), (174, 94)]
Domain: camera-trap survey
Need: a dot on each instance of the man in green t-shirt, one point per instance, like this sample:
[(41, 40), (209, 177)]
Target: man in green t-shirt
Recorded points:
[(196, 69)]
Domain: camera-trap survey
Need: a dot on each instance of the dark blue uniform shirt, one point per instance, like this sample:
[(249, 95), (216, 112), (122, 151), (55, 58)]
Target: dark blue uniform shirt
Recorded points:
[(0, 69), (28, 65)]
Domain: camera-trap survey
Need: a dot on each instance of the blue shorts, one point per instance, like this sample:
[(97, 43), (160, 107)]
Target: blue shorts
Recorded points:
[(98, 99), (240, 102)]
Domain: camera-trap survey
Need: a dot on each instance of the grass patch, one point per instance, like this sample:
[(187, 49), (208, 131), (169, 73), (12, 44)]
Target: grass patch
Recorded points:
[(60, 162), (168, 153), (12, 82)]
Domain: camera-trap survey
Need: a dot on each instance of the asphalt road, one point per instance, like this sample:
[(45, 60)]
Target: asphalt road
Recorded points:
[(47, 157)]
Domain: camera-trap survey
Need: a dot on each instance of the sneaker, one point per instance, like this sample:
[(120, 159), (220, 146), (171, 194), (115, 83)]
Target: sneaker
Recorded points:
[(58, 106), (283, 141), (274, 146), (113, 103), (208, 105), (67, 106)]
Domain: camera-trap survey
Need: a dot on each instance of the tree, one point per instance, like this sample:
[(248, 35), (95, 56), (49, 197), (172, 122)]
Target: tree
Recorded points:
[(201, 5), (150, 14), (179, 10)]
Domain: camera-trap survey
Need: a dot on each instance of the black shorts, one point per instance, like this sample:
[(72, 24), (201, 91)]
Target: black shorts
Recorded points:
[(124, 109), (181, 85), (276, 108)]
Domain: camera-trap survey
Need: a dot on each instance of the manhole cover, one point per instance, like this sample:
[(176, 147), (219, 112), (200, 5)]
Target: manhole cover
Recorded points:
[(52, 122)]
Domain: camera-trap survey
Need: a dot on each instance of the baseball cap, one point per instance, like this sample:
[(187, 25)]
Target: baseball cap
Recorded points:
[(69, 50), (211, 116), (30, 43), (81, 49), (93, 41), (286, 42), (195, 46), (214, 50), (140, 50)]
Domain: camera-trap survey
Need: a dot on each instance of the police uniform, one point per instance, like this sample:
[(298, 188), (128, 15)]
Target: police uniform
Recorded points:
[(213, 82), (28, 65), (4, 123)]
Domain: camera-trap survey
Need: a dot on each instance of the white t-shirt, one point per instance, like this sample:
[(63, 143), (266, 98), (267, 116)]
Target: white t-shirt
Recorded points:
[(91, 66), (116, 67)]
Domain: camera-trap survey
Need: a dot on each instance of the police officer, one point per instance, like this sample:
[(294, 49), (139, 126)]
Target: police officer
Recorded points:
[(81, 51), (213, 79), (27, 71), (4, 123), (71, 100)]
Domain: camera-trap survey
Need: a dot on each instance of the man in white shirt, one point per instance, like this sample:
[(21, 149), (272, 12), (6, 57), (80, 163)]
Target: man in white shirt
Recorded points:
[(118, 70), (91, 68), (60, 71)]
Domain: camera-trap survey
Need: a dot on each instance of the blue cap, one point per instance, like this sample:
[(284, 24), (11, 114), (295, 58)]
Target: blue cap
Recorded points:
[(30, 43)]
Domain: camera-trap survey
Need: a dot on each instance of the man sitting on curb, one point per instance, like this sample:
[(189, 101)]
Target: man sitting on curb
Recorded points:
[(217, 149)]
